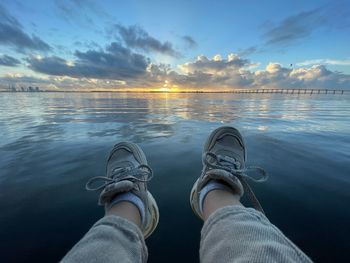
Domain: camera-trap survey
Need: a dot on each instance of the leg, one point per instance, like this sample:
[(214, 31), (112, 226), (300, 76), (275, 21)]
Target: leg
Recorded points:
[(126, 210), (111, 239), (217, 199), (131, 213), (232, 232)]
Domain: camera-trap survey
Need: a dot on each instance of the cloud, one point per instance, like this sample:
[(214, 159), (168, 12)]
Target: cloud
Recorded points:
[(295, 27), (247, 51), (58, 82), (23, 79), (12, 34), (322, 61), (216, 73), (80, 11), (235, 72), (300, 26), (9, 61), (318, 76), (214, 65), (87, 44), (136, 37), (119, 67), (190, 42), (116, 62)]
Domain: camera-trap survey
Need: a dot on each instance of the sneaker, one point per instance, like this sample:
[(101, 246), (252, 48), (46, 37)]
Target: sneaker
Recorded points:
[(224, 157), (127, 171)]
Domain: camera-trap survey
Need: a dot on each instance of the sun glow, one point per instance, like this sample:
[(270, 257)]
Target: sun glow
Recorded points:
[(165, 87), (69, 63)]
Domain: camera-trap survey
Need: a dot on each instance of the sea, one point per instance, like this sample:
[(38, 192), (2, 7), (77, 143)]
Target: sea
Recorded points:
[(52, 143)]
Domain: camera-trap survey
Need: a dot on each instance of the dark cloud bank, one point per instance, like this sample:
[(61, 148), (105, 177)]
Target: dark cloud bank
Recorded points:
[(138, 38), (12, 34), (190, 42), (9, 61), (115, 62)]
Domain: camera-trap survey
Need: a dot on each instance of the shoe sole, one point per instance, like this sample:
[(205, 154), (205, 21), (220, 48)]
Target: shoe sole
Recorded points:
[(141, 158), (155, 216), (194, 200), (217, 133)]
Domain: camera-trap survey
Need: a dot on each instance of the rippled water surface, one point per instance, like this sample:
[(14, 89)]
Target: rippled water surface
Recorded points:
[(51, 143)]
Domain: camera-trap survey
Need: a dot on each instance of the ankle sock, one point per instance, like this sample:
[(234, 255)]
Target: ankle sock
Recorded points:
[(210, 186), (132, 198)]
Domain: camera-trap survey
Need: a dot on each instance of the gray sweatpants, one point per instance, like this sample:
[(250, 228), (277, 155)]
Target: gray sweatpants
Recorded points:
[(231, 234)]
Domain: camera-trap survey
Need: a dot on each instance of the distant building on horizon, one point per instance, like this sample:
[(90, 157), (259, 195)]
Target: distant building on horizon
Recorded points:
[(12, 88)]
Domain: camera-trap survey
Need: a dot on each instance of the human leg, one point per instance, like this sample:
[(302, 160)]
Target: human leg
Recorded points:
[(126, 210), (131, 213), (111, 239), (232, 232), (217, 199)]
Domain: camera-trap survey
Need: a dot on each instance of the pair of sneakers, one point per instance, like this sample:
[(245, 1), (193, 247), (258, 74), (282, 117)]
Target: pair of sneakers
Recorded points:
[(127, 171)]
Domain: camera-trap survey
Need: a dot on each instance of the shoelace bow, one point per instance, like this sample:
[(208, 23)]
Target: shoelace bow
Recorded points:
[(234, 168), (141, 173)]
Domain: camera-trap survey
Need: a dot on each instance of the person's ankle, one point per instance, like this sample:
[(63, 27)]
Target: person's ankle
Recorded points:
[(127, 205), (126, 210), (217, 199)]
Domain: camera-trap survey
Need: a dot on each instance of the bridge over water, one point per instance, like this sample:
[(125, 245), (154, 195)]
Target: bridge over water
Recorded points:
[(291, 91)]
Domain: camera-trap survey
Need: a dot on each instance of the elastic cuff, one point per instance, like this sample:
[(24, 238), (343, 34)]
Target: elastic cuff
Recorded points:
[(131, 198), (210, 186)]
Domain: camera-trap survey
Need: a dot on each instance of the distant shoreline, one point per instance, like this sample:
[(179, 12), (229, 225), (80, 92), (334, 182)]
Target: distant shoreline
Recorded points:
[(256, 91)]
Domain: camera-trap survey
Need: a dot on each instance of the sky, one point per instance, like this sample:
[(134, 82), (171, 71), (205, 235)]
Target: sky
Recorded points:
[(174, 45)]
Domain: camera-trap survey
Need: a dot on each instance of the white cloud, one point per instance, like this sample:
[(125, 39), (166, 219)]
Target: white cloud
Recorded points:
[(215, 65), (216, 73), (317, 76), (58, 82)]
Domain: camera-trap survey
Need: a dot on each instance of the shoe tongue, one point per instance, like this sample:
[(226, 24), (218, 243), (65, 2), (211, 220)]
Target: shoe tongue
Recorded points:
[(229, 140), (124, 158), (232, 156), (119, 166)]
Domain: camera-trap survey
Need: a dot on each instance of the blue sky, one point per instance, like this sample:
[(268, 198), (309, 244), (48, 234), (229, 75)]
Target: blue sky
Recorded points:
[(75, 44)]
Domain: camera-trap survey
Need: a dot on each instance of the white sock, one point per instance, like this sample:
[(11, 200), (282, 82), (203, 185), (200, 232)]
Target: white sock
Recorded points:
[(132, 198), (210, 186)]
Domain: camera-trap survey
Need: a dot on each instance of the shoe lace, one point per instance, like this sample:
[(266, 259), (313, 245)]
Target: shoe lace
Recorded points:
[(235, 168), (141, 173)]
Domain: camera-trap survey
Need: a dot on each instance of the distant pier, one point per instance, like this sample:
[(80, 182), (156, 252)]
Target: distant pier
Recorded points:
[(291, 91), (256, 91)]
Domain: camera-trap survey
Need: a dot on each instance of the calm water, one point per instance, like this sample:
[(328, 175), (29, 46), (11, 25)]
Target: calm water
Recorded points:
[(50, 144)]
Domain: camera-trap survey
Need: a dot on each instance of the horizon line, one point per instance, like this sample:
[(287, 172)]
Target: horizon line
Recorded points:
[(274, 90)]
